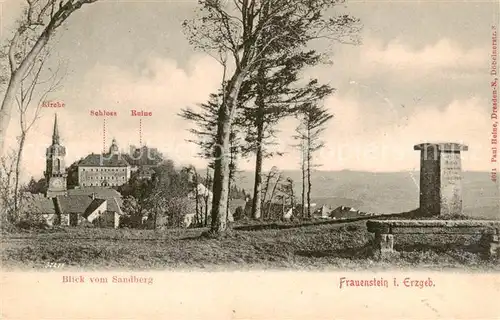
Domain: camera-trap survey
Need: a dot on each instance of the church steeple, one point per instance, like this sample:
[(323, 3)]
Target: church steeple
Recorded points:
[(55, 170), (55, 132), (114, 147)]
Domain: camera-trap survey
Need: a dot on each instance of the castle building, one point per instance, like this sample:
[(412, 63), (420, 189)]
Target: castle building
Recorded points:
[(55, 169), (142, 160), (104, 170)]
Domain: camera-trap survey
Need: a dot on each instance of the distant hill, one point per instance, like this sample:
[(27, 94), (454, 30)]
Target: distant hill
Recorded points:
[(388, 192)]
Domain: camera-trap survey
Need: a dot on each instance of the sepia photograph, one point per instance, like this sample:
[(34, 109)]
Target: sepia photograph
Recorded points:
[(160, 136)]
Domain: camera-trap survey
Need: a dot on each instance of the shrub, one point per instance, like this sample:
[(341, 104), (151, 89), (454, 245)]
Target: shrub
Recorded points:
[(32, 225), (86, 224), (239, 214)]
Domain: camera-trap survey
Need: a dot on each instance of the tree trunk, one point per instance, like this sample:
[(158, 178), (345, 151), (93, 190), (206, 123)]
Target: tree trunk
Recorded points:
[(197, 200), (269, 205), (16, 78), (259, 154), (308, 175), (155, 219), (257, 188), (207, 197), (303, 167), (22, 140), (221, 176), (6, 109), (231, 172), (283, 211), (221, 168), (266, 190)]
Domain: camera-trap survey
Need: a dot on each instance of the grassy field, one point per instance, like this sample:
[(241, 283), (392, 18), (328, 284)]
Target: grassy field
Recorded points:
[(316, 247)]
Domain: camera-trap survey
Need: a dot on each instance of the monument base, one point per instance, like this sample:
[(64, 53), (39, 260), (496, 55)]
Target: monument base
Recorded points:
[(440, 178)]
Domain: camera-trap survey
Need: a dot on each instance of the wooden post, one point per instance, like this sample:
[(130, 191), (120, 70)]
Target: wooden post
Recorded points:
[(384, 245), (491, 245)]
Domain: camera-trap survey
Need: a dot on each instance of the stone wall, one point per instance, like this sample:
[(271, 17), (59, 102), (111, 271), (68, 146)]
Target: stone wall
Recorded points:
[(100, 176), (64, 219)]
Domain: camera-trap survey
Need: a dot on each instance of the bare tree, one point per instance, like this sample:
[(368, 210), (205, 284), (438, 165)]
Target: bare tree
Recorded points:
[(7, 182), (314, 119), (33, 85), (300, 135), (206, 195), (277, 183), (37, 26), (195, 183), (265, 187), (287, 191)]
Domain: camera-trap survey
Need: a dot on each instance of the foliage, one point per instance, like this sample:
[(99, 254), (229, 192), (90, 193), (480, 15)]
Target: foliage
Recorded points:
[(161, 198), (237, 193), (204, 119), (243, 36), (18, 210), (36, 187), (133, 213), (32, 224), (26, 50), (72, 178), (239, 214)]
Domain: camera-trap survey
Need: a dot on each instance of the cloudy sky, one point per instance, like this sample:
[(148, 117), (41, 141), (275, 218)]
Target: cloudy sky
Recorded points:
[(421, 74)]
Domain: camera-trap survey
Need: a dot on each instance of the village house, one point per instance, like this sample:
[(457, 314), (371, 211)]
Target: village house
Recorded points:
[(74, 210), (95, 204), (90, 205), (37, 207)]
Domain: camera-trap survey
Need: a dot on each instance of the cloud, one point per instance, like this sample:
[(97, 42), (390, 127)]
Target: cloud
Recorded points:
[(442, 55), (10, 12), (163, 88), (158, 85), (349, 144), (356, 138)]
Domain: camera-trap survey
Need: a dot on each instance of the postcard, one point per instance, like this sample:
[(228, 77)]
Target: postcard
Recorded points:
[(249, 159)]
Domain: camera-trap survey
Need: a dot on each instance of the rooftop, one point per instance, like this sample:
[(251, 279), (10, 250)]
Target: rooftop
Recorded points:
[(99, 192), (38, 203), (74, 203), (104, 160)]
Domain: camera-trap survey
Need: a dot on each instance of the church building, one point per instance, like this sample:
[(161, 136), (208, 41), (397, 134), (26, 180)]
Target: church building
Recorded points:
[(55, 173)]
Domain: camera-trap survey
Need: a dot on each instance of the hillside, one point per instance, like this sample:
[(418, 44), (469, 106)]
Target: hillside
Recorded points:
[(388, 192)]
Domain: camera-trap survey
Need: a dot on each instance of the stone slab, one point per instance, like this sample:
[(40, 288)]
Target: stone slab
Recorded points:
[(444, 147), (434, 226)]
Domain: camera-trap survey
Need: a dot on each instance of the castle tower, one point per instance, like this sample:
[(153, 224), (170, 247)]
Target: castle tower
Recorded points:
[(55, 169), (113, 149)]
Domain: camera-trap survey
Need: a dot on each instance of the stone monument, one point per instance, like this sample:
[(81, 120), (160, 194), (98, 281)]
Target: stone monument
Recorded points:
[(440, 178)]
